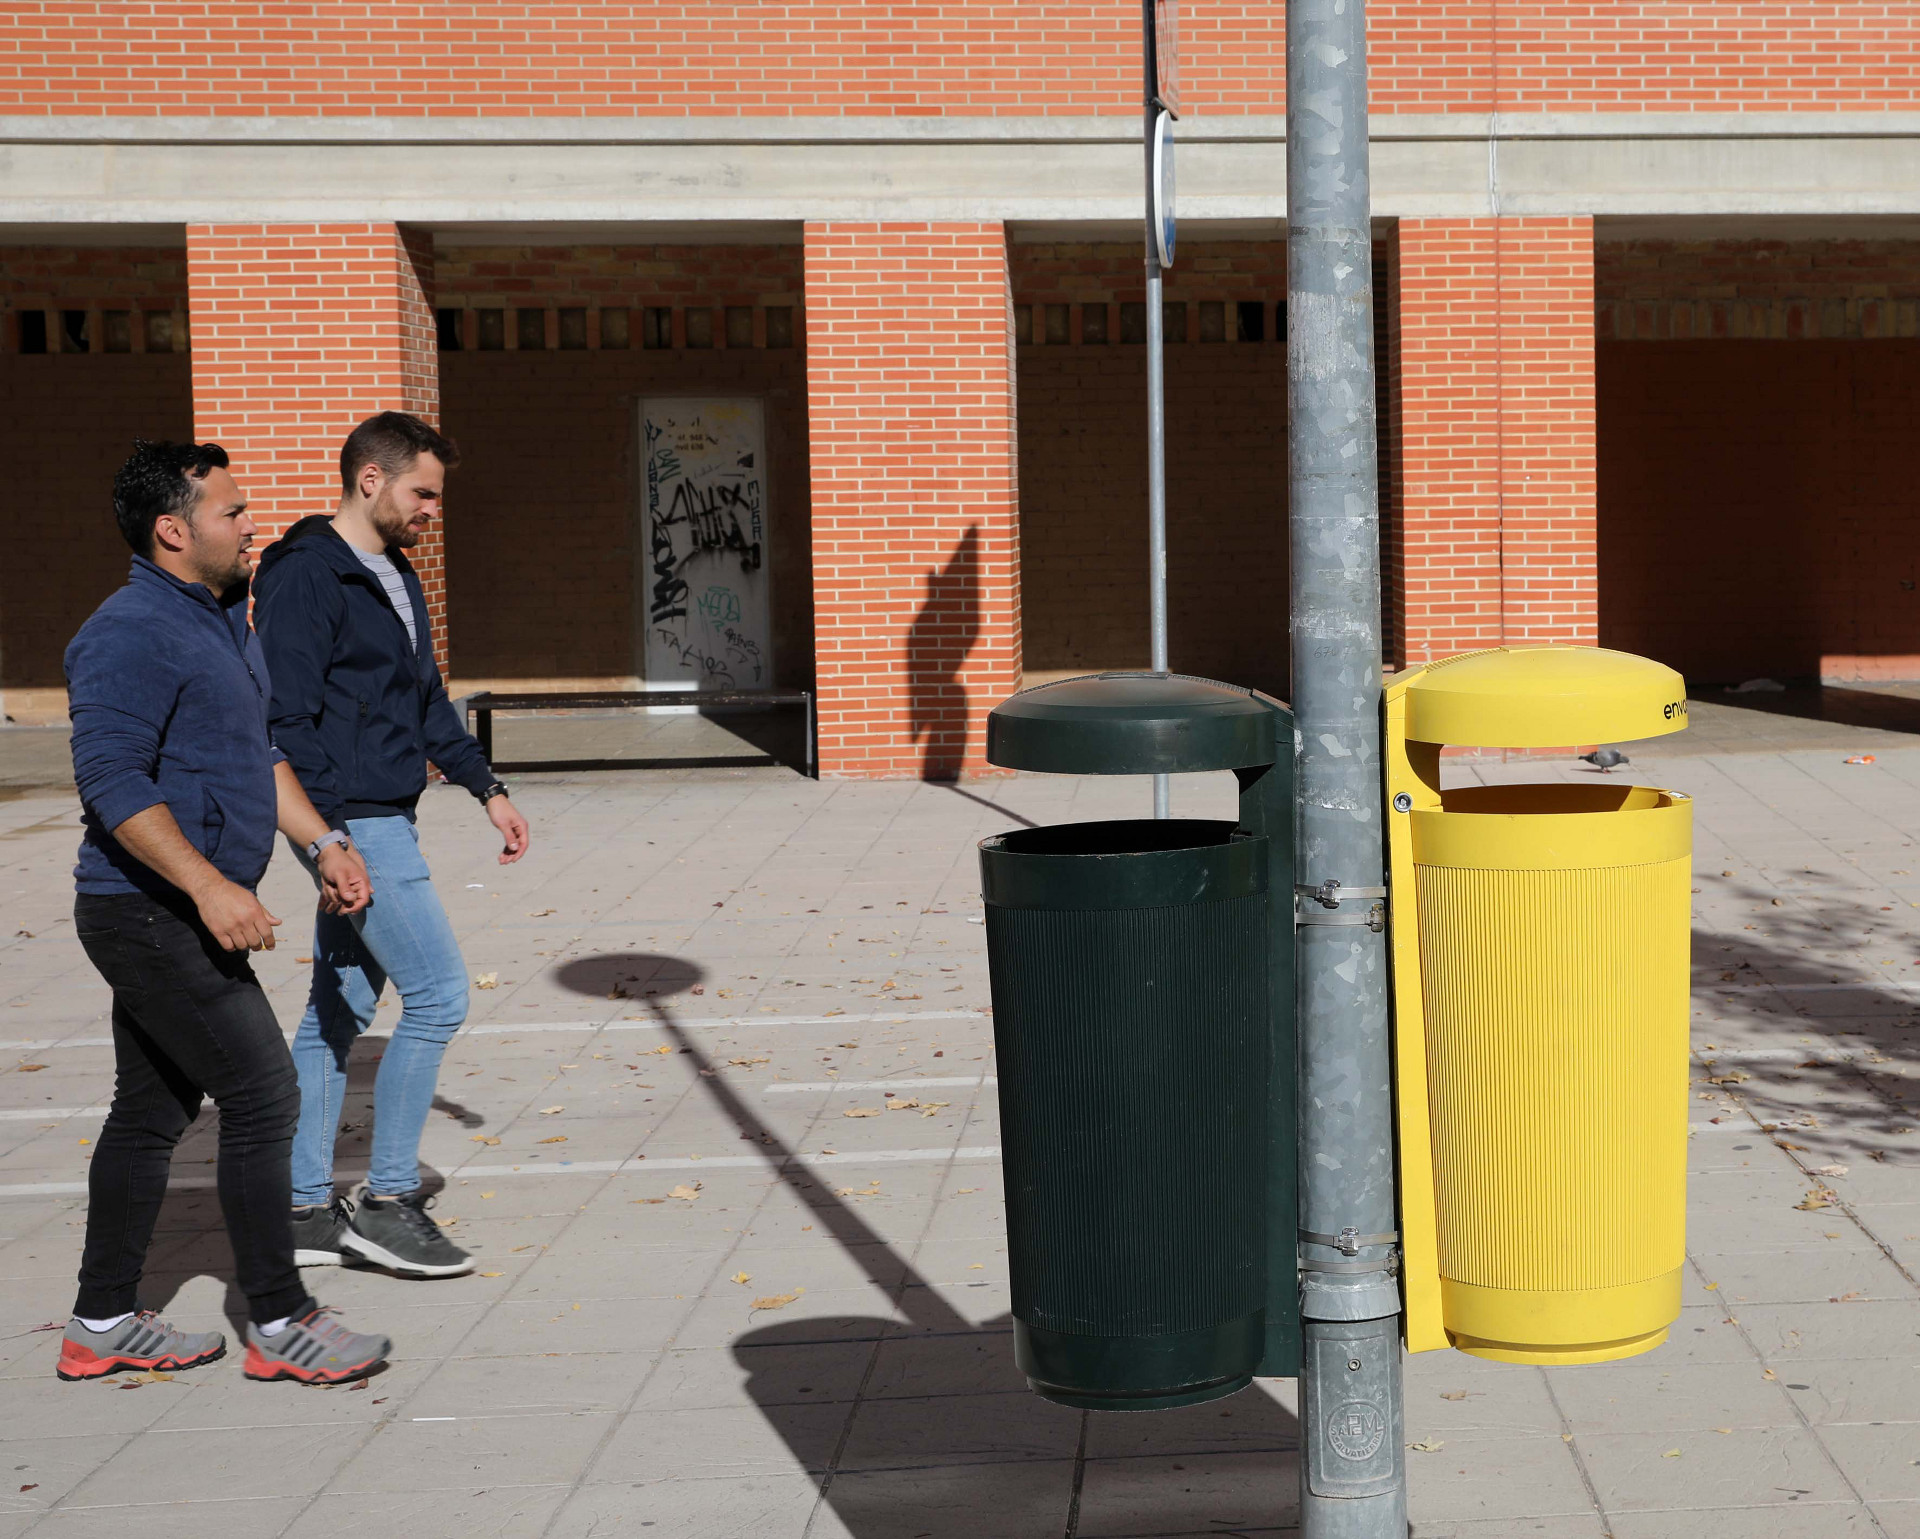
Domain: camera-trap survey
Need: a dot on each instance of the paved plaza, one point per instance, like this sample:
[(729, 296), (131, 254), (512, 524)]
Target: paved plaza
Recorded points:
[(722, 1135)]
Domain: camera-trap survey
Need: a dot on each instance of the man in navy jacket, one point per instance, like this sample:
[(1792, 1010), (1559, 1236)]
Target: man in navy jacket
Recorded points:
[(358, 709), (180, 789)]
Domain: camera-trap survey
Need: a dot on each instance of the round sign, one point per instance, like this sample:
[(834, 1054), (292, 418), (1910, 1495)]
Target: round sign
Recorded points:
[(1162, 211)]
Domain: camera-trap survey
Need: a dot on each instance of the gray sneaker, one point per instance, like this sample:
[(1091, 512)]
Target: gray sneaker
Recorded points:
[(396, 1233), (318, 1232), (314, 1349), (145, 1342)]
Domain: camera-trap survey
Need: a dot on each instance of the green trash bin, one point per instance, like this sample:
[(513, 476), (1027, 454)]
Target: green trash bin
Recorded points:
[(1143, 1015)]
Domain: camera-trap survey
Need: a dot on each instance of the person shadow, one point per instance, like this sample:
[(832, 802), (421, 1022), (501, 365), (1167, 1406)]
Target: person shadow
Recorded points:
[(943, 633), (915, 1423)]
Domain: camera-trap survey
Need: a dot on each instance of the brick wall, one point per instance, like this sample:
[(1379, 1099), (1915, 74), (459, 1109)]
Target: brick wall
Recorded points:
[(300, 332), (1494, 469), (1649, 291), (725, 57), (1760, 512), (1083, 469), (910, 401)]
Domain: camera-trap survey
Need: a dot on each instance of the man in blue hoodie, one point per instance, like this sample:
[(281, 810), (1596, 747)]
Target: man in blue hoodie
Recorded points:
[(180, 789), (359, 709)]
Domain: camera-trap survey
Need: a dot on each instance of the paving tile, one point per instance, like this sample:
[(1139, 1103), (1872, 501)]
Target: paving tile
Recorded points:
[(237, 1461), (472, 1450), (1882, 1460), (1645, 1396), (1774, 1466), (730, 1442), (705, 1378), (1823, 1520), (1185, 1493), (538, 1384), (1856, 1390), (964, 1429), (1789, 1333), (254, 1518), (1899, 1520), (499, 1512), (763, 1506), (1007, 1501), (1492, 1475)]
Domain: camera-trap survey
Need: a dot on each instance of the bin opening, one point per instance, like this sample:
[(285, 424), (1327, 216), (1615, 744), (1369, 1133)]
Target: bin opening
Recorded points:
[(1125, 836), (1534, 799)]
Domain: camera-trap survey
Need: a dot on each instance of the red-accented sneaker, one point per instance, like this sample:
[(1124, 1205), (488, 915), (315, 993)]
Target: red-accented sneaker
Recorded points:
[(144, 1342), (314, 1349)]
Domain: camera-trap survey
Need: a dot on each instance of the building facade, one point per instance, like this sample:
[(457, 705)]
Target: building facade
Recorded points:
[(1648, 327)]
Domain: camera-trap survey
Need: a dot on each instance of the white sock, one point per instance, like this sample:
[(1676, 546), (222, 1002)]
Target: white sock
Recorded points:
[(105, 1325), (275, 1327)]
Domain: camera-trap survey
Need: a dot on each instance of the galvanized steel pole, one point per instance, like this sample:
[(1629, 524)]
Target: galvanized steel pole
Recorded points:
[(1353, 1467), (1156, 413)]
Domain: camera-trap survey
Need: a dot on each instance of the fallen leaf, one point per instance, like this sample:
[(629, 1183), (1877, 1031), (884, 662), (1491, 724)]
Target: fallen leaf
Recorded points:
[(1712, 1286), (748, 1063), (966, 1190), (697, 989), (837, 1044), (558, 1138), (1427, 1445), (1723, 1430), (155, 1376), (1829, 1170), (303, 959), (1820, 1197), (548, 1111), (977, 1266), (493, 1274), (487, 981), (1768, 1373), (932, 1108), (777, 1300), (538, 913), (908, 1105), (29, 1068), (687, 1193), (31, 1485), (664, 1048), (743, 1278), (486, 1194), (1671, 1453), (481, 1138), (861, 1111), (1455, 1394)]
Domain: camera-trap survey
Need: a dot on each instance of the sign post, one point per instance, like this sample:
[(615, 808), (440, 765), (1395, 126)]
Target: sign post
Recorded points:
[(1161, 50)]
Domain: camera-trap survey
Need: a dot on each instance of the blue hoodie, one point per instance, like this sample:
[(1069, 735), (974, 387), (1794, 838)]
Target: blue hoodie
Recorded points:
[(167, 688)]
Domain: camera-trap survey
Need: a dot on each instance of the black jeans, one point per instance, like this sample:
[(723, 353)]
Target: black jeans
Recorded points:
[(189, 1020)]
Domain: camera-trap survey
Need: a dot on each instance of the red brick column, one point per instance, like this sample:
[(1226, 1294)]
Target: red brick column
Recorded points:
[(299, 332), (916, 554), (1495, 474)]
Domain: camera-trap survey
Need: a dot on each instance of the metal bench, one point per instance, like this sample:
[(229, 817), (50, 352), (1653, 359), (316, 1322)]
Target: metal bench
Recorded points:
[(482, 705)]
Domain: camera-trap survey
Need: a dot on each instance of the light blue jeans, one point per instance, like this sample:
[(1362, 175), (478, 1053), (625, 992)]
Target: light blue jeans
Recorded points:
[(403, 934)]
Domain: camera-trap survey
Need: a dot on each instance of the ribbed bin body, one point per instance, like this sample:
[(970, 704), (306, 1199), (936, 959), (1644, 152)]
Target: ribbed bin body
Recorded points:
[(1130, 996), (1554, 942)]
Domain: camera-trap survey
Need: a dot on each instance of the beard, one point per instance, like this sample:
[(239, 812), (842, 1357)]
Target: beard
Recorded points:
[(390, 523)]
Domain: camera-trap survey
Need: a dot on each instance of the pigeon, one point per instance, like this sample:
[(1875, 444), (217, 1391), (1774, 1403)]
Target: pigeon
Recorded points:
[(1605, 759)]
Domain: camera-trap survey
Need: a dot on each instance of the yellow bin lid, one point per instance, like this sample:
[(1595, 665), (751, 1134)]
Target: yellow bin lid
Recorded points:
[(1542, 697)]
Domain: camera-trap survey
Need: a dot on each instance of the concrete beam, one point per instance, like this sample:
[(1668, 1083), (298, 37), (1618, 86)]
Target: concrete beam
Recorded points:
[(481, 171)]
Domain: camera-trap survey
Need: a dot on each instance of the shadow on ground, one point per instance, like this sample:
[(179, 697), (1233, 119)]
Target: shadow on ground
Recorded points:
[(942, 1437), (1793, 969), (1888, 707)]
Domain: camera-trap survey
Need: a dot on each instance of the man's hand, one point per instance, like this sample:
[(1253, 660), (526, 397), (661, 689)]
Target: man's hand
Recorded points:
[(345, 887), (513, 828), (235, 917)]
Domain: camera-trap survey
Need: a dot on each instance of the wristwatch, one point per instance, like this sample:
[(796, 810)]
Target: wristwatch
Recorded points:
[(496, 789), (331, 836)]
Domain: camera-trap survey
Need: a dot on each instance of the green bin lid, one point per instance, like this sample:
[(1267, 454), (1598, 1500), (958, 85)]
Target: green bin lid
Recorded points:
[(1133, 724)]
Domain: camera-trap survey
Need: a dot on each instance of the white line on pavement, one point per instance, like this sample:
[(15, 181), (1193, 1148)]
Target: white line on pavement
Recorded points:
[(530, 1028), (53, 1112), (818, 1086), (633, 1167)]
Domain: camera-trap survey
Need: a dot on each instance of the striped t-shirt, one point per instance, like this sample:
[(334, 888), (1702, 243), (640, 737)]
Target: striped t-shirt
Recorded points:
[(396, 587)]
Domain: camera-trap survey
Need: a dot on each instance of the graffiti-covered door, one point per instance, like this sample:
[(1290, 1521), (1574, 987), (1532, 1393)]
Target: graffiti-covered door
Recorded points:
[(703, 533)]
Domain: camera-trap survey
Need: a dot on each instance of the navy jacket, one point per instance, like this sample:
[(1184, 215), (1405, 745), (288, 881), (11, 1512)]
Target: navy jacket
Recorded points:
[(355, 710), (167, 689)]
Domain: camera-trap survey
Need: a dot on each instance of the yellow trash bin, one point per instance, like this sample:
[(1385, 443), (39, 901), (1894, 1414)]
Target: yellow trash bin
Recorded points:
[(1540, 942)]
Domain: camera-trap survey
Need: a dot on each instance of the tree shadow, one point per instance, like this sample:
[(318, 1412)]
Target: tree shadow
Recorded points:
[(1890, 708), (918, 1423), (943, 633), (1781, 973)]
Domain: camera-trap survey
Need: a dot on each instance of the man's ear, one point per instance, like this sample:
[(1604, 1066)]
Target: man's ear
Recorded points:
[(371, 477), (170, 532)]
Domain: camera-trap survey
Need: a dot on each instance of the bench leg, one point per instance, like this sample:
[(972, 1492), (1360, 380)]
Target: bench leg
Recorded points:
[(485, 734)]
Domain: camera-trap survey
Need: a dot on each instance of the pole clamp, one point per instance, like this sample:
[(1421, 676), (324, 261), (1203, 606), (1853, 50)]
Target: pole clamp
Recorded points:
[(1349, 1240), (1389, 1263), (1329, 895)]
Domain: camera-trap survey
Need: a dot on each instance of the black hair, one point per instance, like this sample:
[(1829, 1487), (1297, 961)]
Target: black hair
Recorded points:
[(160, 477), (393, 441)]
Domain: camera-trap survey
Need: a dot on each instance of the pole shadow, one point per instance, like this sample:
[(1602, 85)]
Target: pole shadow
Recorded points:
[(940, 1437), (943, 633)]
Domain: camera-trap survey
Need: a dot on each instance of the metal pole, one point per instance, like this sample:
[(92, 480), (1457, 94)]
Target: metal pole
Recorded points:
[(1353, 1465), (1156, 412)]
